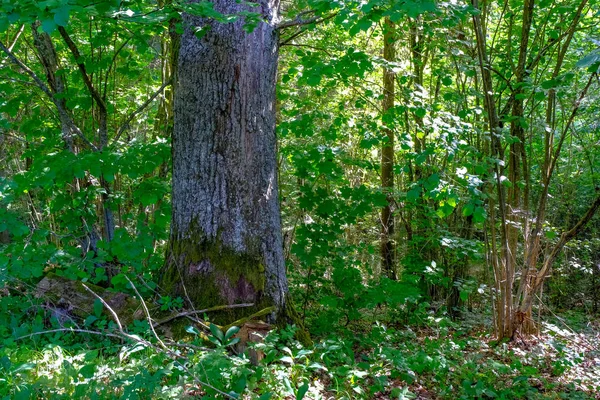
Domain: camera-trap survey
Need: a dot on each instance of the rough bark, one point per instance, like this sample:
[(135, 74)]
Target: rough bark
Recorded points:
[(226, 244), (387, 156)]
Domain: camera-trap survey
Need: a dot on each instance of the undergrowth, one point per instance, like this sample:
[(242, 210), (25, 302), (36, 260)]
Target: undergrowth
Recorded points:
[(437, 361)]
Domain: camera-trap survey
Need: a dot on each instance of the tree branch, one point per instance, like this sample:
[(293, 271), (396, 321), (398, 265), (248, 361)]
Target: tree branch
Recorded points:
[(190, 313), (298, 21), (564, 239), (103, 113), (86, 78), (141, 108), (48, 93)]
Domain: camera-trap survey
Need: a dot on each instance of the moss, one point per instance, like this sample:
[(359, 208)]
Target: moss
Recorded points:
[(289, 315), (207, 274)]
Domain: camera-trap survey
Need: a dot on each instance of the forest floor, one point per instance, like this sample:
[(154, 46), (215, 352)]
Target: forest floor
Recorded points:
[(434, 361)]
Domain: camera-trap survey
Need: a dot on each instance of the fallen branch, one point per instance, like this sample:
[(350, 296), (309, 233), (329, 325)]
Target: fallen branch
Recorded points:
[(73, 330), (175, 357), (190, 313), (242, 321)]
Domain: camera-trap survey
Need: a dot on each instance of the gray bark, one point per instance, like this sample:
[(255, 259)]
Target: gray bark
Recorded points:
[(225, 191)]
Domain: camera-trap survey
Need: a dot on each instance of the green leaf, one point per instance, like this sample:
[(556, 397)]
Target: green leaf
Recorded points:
[(420, 112), (240, 385), (231, 331), (217, 332), (24, 367), (413, 194), (22, 393), (550, 84), (88, 371), (287, 359), (5, 363), (363, 24), (313, 79), (468, 209), (590, 59), (4, 24), (61, 15), (48, 25), (202, 31), (98, 306), (192, 330), (149, 199), (302, 391), (479, 214)]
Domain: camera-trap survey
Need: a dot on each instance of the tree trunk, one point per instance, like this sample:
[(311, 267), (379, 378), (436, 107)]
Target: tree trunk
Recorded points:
[(387, 156), (226, 244), (4, 235), (503, 269)]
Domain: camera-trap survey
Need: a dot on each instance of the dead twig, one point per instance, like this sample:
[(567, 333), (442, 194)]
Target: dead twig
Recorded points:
[(191, 313)]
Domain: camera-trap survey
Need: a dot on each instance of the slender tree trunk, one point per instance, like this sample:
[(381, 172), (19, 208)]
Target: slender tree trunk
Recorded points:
[(517, 162), (387, 155), (50, 61), (226, 244), (459, 273), (5, 234), (503, 268)]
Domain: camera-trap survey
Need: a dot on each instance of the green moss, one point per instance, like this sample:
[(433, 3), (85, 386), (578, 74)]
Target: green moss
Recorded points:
[(289, 315), (207, 274)]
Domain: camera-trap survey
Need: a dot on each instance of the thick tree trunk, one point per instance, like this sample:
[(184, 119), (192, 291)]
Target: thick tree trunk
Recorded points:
[(226, 243)]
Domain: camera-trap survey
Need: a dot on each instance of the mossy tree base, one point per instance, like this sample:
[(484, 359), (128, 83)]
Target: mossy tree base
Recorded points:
[(207, 274)]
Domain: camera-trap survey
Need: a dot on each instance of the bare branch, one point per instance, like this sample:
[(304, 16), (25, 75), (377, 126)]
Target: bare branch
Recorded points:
[(148, 317), (73, 330), (564, 239), (48, 93), (141, 108), (86, 78), (189, 313), (298, 21), (103, 113), (108, 307)]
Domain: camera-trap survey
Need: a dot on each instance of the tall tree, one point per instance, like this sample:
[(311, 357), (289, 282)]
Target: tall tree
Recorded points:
[(226, 244), (519, 221), (387, 153)]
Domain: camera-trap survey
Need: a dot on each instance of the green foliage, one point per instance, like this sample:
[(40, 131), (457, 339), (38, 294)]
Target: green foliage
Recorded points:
[(375, 337)]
